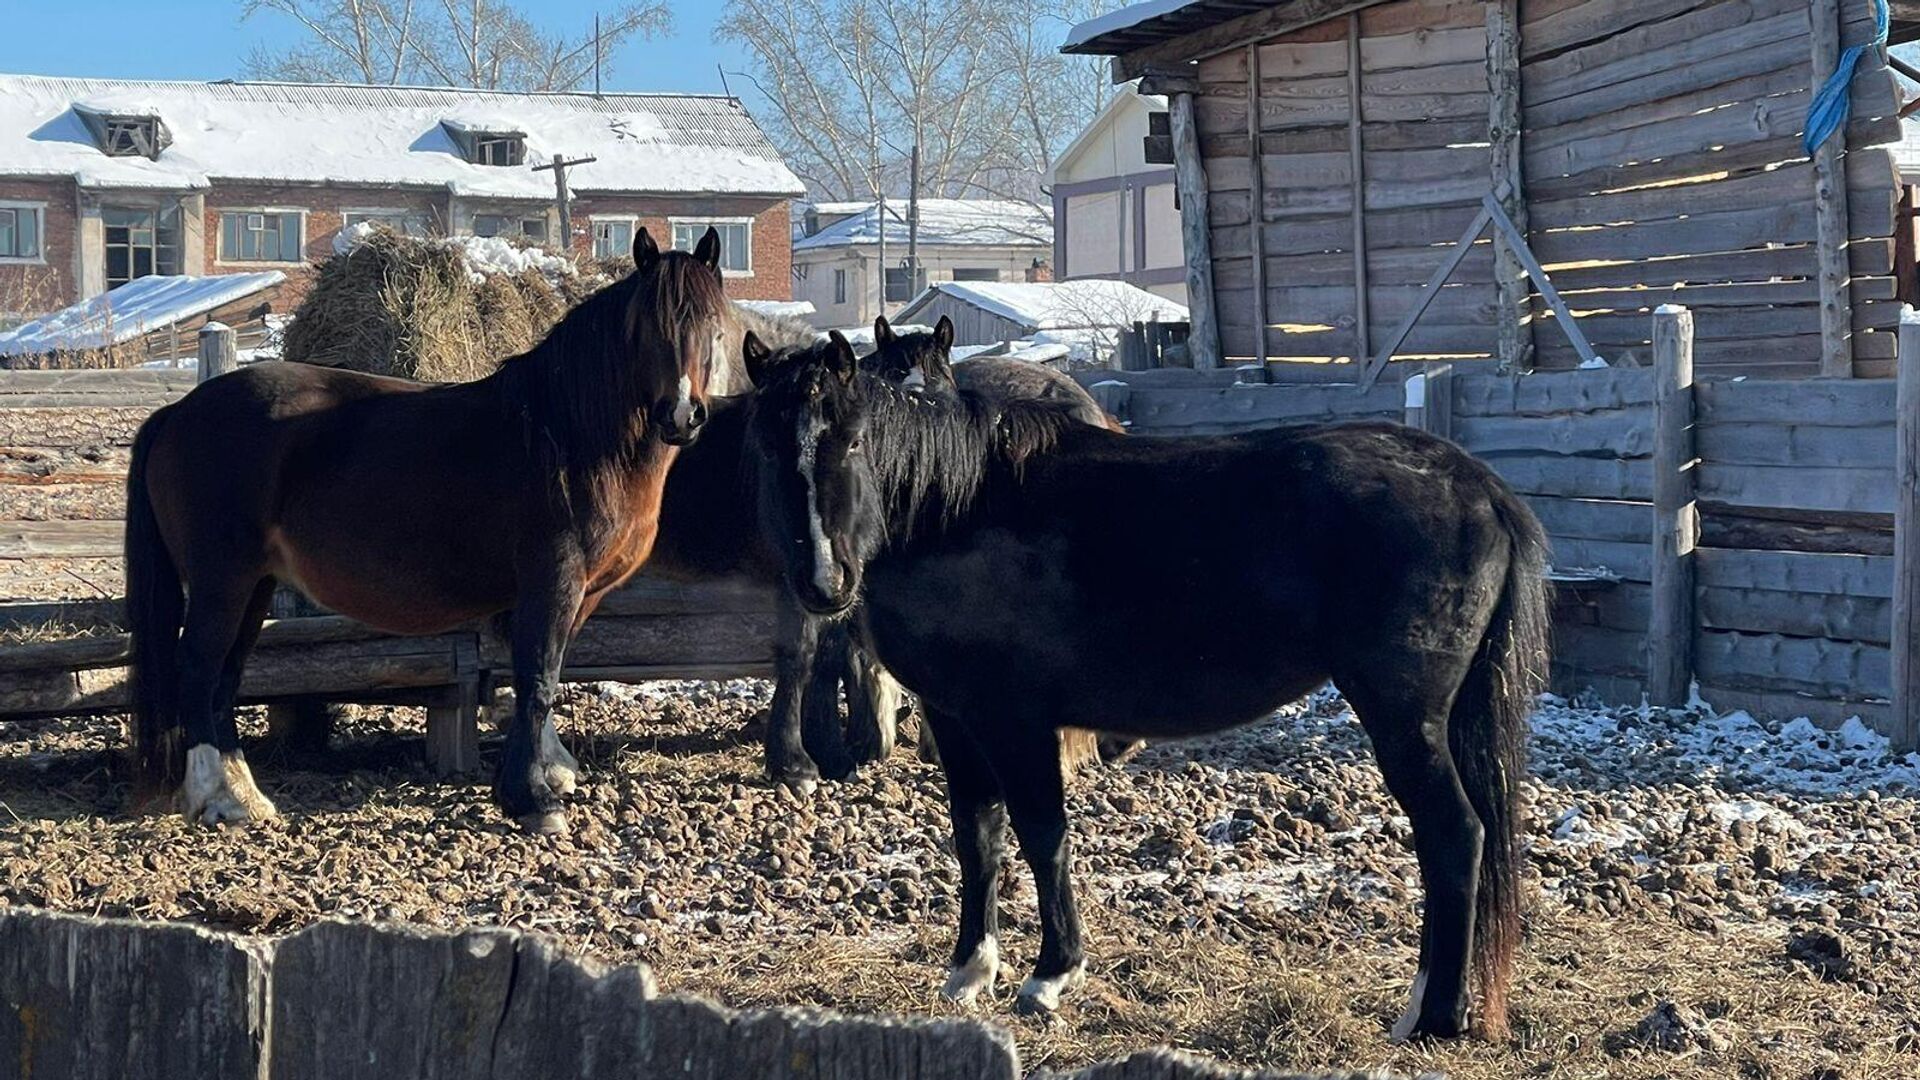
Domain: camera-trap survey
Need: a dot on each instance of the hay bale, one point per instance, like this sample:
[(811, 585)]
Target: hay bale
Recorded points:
[(427, 309)]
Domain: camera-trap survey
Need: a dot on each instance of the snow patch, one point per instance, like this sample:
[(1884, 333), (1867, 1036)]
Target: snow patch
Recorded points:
[(139, 307)]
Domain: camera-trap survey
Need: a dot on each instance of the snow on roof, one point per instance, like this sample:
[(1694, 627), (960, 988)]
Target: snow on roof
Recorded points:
[(986, 222), (1121, 19), (1058, 305), (139, 307), (395, 136), (790, 309)]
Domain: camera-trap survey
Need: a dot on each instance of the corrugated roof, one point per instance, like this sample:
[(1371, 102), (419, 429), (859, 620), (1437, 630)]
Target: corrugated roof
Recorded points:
[(665, 143), (979, 222)]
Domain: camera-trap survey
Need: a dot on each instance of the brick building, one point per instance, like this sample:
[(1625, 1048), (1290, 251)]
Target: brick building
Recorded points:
[(103, 181)]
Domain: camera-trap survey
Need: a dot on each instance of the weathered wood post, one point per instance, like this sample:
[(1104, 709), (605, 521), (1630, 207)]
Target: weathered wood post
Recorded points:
[(1676, 523), (1190, 180), (1830, 209), (1906, 540), (1429, 400), (218, 353), (453, 723)]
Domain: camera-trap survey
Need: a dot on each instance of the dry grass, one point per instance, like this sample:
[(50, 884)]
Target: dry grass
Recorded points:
[(397, 306)]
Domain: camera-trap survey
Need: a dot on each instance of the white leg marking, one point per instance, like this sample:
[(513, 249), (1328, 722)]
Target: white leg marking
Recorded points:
[(562, 771), (1403, 1027), (824, 577), (1045, 994), (966, 982), (220, 788)]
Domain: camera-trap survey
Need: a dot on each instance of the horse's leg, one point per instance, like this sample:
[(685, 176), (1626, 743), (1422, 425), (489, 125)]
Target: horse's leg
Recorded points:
[(543, 619), (979, 840), (1407, 720), (222, 620), (873, 705), (1027, 761), (820, 731), (795, 640)]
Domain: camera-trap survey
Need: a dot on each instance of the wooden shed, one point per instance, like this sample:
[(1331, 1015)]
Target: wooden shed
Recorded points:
[(1330, 153), (988, 312)]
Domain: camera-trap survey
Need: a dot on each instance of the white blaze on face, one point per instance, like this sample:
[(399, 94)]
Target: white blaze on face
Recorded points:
[(823, 575), (915, 379), (683, 405), (719, 370)]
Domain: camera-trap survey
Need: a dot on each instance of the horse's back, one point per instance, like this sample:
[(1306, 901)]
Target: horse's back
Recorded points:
[(1006, 379)]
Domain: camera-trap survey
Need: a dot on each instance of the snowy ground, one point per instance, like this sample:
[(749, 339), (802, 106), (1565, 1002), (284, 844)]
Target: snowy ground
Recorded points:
[(1716, 897)]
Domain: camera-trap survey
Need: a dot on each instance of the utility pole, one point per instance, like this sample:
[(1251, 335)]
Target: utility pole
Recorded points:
[(560, 201), (880, 215), (596, 54), (913, 221)]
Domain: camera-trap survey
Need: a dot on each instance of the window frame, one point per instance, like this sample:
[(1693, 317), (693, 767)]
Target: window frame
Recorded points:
[(595, 221), (515, 219), (224, 258), (159, 252), (373, 213), (483, 141), (673, 232), (839, 284), (39, 212), (141, 129)]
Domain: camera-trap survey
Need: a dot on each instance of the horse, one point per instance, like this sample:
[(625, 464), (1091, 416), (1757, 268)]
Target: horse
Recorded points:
[(413, 508), (1004, 572)]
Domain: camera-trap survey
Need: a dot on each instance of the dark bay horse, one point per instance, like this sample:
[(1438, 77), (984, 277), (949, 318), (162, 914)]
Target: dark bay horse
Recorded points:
[(413, 508), (1021, 572)]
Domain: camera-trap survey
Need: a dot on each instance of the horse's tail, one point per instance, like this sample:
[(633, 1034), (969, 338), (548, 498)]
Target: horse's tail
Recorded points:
[(1487, 737), (155, 608)]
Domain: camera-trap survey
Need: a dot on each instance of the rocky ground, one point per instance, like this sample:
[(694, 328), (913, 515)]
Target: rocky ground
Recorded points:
[(1716, 898)]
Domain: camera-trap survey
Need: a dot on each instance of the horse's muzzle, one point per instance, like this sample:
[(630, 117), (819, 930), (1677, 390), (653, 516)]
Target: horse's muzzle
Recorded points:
[(676, 431)]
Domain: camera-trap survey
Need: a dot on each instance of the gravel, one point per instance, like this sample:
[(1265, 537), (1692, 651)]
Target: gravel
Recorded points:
[(1716, 896)]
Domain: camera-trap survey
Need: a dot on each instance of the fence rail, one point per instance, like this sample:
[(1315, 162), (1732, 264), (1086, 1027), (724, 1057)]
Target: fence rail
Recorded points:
[(102, 999)]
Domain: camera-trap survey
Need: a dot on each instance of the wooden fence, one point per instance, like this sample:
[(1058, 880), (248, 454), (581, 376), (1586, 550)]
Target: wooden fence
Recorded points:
[(1791, 491), (96, 999)]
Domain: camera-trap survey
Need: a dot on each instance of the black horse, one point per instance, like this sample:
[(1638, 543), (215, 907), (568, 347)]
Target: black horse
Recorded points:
[(1021, 572)]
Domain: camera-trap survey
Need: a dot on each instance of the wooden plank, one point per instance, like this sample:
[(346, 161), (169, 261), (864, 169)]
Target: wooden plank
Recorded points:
[(1633, 562), (1545, 393), (93, 999), (1676, 521), (1775, 59), (61, 539), (1256, 237), (1796, 572), (1622, 433), (1651, 48), (72, 426), (1598, 650), (143, 381), (1866, 491), (1556, 30), (1212, 40), (1789, 182), (1190, 181), (1251, 406), (1848, 403), (1830, 208), (1363, 319), (1781, 705), (1595, 519), (1904, 720), (1838, 670), (1796, 445), (1575, 477), (1843, 618)]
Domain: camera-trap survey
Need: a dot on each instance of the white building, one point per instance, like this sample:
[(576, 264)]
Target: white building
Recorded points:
[(837, 264), (1115, 213), (1087, 317)]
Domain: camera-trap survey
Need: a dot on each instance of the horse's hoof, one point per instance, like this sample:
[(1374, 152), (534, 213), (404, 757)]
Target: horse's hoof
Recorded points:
[(802, 787), (219, 789), (561, 779), (1041, 996), (545, 822), (968, 981)]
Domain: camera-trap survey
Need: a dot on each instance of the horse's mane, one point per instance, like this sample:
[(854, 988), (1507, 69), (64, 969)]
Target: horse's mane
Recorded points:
[(931, 456), (585, 385)]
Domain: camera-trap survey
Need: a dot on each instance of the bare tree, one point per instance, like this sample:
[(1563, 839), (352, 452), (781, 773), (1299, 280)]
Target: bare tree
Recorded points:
[(488, 44), (854, 85)]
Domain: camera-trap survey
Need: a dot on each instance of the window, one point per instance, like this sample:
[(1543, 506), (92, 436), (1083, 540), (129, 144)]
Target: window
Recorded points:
[(612, 239), (260, 236), (975, 273), (736, 241), (130, 136), (140, 241), (839, 286), (526, 228), (404, 222), (899, 285), (499, 149), (19, 231)]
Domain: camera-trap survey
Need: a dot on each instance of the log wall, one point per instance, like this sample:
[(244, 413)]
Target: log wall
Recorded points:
[(1661, 162), (94, 999)]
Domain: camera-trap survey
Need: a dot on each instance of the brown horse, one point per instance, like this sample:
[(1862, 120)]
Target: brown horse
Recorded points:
[(413, 508)]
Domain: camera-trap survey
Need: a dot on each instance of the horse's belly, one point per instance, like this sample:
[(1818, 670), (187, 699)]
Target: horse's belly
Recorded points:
[(401, 592)]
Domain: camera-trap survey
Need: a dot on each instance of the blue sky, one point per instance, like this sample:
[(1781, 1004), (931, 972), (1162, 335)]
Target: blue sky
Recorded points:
[(205, 39)]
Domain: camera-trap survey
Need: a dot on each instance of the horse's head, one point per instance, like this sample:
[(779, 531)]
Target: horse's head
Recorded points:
[(918, 360), (677, 316), (817, 501)]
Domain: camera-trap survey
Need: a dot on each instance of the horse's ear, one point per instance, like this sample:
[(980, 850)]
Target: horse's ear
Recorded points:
[(937, 366), (756, 354), (943, 332), (708, 249), (645, 252), (843, 362), (882, 333)]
